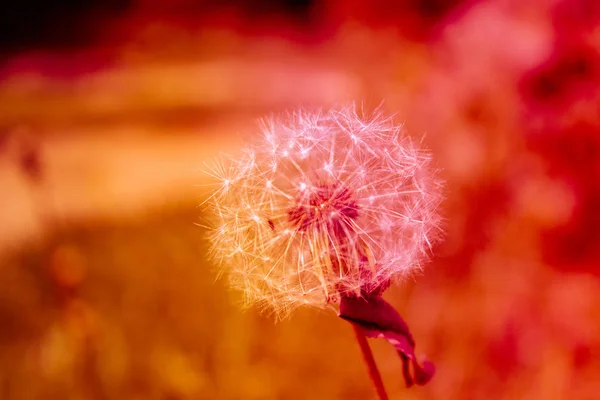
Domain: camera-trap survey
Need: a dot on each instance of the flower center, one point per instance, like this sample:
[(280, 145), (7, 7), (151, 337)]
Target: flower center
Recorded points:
[(330, 207)]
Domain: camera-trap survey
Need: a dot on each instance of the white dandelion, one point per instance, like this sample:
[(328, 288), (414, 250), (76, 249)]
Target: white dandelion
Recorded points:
[(325, 204)]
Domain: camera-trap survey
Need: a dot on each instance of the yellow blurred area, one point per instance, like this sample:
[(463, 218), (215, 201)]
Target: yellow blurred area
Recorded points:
[(107, 292)]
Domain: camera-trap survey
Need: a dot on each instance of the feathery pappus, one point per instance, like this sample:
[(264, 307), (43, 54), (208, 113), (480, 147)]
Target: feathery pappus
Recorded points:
[(324, 204)]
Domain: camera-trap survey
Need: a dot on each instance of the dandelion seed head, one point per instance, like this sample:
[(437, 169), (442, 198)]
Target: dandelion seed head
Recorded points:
[(324, 204)]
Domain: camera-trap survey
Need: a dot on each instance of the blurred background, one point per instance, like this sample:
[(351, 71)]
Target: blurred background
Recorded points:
[(109, 110)]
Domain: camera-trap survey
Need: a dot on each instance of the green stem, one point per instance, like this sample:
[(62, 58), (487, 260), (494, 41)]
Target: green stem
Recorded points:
[(371, 365)]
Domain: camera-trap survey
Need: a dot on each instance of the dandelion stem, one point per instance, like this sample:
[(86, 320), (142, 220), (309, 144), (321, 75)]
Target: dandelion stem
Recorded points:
[(371, 365)]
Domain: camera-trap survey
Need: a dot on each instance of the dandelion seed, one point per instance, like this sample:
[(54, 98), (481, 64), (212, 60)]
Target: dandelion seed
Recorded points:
[(363, 188)]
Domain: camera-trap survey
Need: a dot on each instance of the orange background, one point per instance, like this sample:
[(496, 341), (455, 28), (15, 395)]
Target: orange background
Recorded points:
[(108, 113)]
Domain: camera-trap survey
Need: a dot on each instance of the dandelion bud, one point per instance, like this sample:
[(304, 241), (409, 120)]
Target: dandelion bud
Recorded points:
[(324, 205)]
